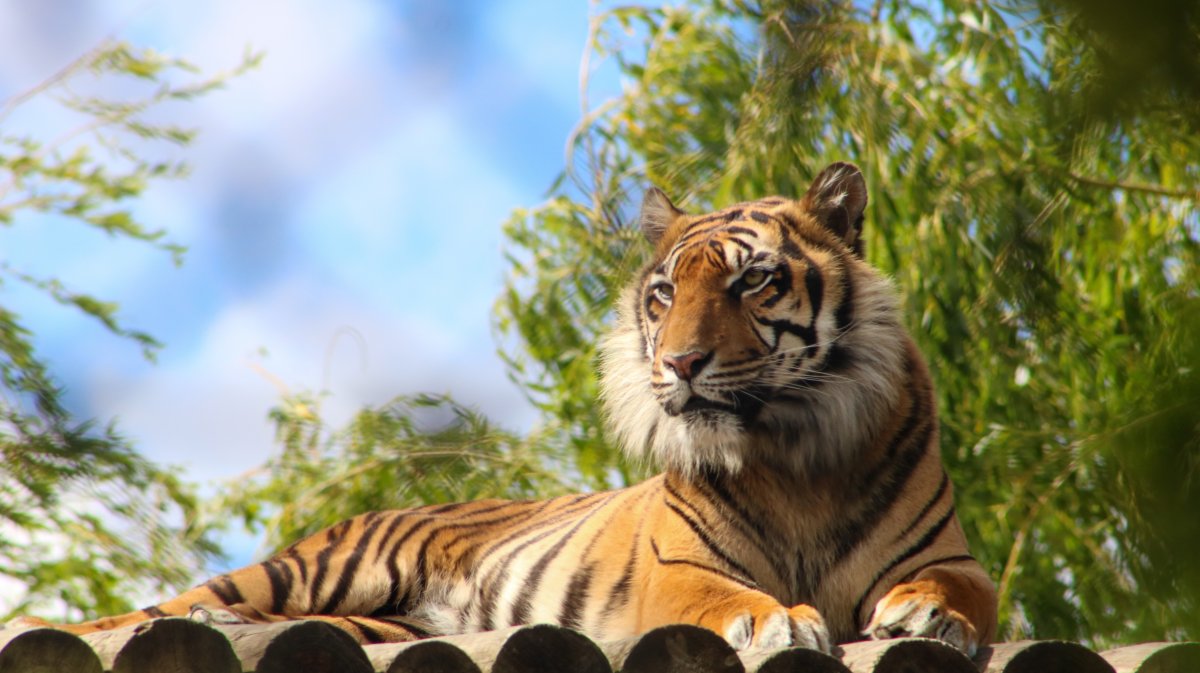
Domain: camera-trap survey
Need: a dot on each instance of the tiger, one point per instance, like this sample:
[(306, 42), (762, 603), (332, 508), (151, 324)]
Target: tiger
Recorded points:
[(761, 363)]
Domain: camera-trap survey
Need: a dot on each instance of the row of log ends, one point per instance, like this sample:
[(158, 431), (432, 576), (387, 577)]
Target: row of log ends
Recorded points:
[(181, 646)]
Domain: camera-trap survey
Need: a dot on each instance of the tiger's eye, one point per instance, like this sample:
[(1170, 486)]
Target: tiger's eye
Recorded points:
[(754, 277), (665, 292)]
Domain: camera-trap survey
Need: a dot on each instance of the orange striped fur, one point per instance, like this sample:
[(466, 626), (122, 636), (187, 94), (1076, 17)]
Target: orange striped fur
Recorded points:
[(762, 363)]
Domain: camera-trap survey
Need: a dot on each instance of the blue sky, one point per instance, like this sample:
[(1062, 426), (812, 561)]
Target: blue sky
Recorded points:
[(358, 179)]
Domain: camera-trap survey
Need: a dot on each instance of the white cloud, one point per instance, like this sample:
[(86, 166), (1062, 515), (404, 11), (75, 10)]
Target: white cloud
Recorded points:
[(206, 410)]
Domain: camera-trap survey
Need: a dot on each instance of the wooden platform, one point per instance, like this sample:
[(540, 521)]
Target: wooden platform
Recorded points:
[(177, 645)]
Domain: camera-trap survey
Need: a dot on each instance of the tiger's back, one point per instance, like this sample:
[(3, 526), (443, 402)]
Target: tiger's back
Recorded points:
[(762, 363)]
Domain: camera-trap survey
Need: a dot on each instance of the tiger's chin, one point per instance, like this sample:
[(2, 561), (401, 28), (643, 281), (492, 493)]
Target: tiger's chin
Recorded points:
[(701, 440)]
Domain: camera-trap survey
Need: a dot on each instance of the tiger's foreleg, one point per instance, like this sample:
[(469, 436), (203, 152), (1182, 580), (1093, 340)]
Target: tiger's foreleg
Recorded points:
[(680, 592), (954, 602)]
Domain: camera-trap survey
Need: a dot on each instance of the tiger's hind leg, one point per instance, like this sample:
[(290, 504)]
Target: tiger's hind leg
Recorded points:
[(340, 575)]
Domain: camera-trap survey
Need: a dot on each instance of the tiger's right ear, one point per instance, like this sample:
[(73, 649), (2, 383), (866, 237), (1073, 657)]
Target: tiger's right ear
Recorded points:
[(837, 198), (658, 214)]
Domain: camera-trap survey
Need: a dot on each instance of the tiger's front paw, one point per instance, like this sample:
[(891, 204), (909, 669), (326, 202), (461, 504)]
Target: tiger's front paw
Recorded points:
[(910, 610), (801, 626)]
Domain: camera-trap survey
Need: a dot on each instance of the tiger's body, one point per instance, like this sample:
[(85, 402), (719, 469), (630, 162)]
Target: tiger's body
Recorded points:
[(803, 501)]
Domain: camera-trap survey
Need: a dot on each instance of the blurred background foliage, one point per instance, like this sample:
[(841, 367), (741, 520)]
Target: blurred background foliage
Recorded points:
[(1034, 169), (84, 519), (1034, 176)]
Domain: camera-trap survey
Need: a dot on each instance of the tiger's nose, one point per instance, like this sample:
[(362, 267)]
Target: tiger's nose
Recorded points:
[(688, 365)]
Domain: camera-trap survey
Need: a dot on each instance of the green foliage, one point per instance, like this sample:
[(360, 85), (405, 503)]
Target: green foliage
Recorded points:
[(82, 512), (411, 451), (1041, 222)]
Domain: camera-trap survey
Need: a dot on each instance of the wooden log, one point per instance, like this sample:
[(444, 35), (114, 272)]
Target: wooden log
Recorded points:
[(544, 648), (1155, 658), (794, 660), (422, 656), (310, 646), (906, 655), (791, 660), (170, 644), (45, 650), (539, 648), (1042, 656), (482, 648), (678, 648)]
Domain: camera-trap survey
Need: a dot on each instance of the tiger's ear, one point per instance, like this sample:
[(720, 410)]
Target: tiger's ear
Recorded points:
[(837, 198), (658, 214)]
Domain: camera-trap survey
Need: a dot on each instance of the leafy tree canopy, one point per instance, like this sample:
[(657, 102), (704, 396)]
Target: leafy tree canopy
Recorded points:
[(83, 518)]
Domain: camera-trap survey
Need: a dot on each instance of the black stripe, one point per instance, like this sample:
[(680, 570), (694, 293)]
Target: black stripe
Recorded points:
[(280, 587), (740, 243), (369, 634), (696, 230), (395, 598), (499, 576), (893, 471), (918, 547), (571, 613), (674, 493), (300, 563), (314, 589), (408, 625), (742, 581), (573, 506), (884, 495), (805, 332), (421, 571), (708, 219), (816, 290), (520, 610), (618, 595), (760, 217), (393, 567), (154, 612), (748, 525), (346, 577), (941, 489), (949, 559), (789, 220), (782, 282), (912, 419), (225, 589), (837, 359), (713, 547), (741, 230)]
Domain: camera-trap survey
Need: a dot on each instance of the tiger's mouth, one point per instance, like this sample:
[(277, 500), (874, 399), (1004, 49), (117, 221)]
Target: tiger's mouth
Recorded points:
[(742, 404)]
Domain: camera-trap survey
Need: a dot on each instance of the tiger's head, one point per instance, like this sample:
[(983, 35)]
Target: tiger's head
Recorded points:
[(756, 333)]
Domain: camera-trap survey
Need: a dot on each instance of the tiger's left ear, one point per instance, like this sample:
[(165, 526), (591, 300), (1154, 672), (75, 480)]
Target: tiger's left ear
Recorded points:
[(658, 214), (837, 198)]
